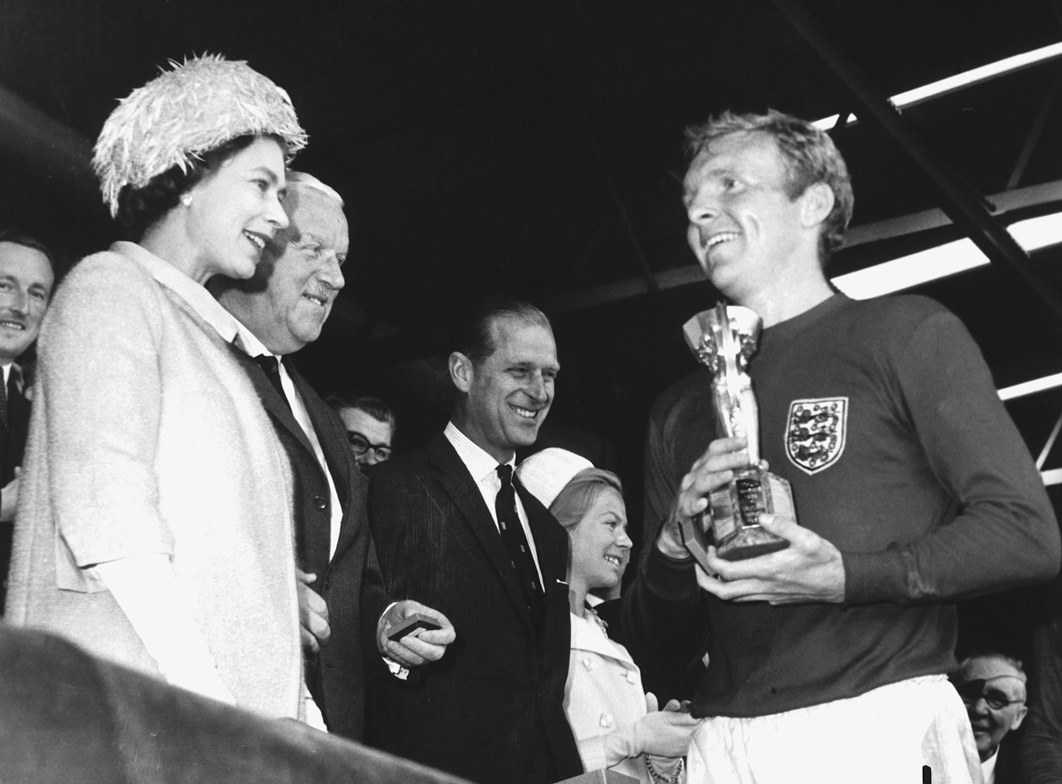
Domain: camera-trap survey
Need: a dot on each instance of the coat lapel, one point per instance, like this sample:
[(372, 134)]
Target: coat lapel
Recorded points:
[(586, 638), (350, 482), (551, 540), (275, 406), (331, 436), (458, 484)]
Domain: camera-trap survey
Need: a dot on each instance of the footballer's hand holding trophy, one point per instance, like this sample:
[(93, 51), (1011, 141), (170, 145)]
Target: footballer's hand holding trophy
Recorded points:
[(724, 339)]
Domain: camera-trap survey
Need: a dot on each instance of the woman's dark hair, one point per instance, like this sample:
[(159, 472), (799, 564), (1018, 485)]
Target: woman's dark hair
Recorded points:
[(140, 207)]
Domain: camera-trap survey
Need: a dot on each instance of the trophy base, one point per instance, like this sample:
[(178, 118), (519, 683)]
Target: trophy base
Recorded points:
[(749, 543), (736, 510)]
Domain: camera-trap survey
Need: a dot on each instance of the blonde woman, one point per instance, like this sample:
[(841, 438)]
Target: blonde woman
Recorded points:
[(616, 725)]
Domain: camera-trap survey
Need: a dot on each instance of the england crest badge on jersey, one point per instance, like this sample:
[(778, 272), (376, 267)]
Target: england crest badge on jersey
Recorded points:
[(815, 433)]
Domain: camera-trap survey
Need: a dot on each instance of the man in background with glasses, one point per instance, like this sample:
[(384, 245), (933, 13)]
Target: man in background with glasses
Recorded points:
[(370, 425), (992, 686)]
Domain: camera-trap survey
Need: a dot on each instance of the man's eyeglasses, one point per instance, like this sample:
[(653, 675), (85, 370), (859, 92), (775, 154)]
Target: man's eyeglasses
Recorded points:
[(361, 445), (972, 691)]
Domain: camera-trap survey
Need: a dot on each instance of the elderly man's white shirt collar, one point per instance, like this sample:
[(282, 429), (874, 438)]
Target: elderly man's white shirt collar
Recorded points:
[(196, 295), (250, 343), (988, 768)]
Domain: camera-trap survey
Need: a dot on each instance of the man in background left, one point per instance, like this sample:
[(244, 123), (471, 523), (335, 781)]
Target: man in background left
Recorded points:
[(27, 274)]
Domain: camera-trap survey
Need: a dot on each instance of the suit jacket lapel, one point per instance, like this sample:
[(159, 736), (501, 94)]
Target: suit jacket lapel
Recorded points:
[(551, 539), (350, 482), (275, 406), (331, 437), (459, 485)]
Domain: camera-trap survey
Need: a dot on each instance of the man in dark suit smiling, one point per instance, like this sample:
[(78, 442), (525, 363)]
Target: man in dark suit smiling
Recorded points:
[(281, 309), (453, 532)]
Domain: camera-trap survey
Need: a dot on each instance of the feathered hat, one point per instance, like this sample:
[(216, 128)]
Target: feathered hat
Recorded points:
[(185, 112), (545, 473)]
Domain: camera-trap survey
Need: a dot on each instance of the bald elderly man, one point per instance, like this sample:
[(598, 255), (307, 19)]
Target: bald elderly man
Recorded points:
[(280, 310), (992, 686)]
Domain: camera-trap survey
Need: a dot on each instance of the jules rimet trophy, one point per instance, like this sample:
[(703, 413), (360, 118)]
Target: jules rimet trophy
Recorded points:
[(724, 339)]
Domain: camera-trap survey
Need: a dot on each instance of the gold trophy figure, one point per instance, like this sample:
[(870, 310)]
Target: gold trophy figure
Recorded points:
[(724, 339)]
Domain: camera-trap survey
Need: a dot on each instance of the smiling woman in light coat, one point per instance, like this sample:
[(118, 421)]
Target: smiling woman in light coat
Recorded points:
[(154, 526), (615, 723)]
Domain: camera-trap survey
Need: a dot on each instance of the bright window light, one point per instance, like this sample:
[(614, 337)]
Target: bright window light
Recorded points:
[(1031, 387), (944, 260), (1052, 477), (1036, 233), (910, 271), (958, 81)]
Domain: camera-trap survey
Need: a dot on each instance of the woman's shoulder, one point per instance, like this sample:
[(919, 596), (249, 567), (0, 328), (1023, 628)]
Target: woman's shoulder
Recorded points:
[(108, 275), (105, 288), (109, 262)]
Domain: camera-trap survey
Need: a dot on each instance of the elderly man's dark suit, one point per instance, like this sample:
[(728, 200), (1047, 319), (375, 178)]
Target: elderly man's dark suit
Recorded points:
[(336, 675), (1009, 762), (491, 709)]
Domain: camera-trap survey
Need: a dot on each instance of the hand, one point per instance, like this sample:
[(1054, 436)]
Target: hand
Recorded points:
[(653, 704), (421, 645), (313, 613), (665, 733), (672, 705), (809, 570), (711, 471), (9, 498)]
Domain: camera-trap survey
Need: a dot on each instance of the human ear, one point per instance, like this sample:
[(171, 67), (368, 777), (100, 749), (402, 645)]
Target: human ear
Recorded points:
[(1019, 718), (816, 202), (461, 371)]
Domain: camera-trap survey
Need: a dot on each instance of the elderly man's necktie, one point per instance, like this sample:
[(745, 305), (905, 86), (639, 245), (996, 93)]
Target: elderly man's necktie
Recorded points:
[(271, 366)]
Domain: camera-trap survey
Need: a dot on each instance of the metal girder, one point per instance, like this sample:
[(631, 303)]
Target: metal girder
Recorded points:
[(688, 273), (960, 201), (1036, 131)]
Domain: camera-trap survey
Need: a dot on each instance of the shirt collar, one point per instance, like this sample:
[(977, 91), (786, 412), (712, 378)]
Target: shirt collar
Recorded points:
[(196, 295), (249, 342), (988, 767), (478, 462)]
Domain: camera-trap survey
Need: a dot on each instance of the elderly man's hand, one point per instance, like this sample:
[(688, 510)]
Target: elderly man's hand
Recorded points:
[(419, 646), (711, 471), (313, 613), (809, 570)]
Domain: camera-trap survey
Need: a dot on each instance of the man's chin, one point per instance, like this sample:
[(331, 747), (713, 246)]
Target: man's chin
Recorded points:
[(526, 435), (984, 745), (11, 349)]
